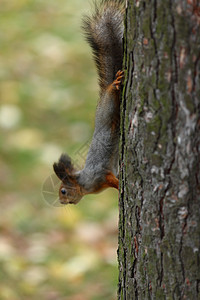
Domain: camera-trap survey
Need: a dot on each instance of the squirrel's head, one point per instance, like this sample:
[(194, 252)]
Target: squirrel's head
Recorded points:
[(70, 191)]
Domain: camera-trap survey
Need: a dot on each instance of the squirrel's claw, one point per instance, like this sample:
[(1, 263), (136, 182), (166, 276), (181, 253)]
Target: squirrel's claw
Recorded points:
[(117, 83), (119, 73)]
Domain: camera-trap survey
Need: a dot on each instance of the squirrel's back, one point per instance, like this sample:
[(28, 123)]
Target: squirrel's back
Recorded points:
[(104, 32)]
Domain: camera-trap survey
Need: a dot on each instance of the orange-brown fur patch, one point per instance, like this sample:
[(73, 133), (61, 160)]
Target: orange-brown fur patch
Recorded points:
[(112, 181)]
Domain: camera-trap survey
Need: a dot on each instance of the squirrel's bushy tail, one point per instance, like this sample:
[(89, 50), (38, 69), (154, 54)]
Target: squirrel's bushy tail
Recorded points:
[(104, 32)]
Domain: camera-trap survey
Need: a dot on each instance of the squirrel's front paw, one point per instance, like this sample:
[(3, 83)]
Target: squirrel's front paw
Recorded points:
[(117, 83)]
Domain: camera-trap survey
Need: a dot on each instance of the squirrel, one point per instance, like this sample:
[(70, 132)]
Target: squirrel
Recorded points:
[(104, 33)]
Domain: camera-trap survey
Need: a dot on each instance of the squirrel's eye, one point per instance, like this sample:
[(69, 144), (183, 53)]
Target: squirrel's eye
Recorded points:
[(63, 191)]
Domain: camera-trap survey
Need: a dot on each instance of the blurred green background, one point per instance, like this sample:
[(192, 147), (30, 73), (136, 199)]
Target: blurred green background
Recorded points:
[(48, 95)]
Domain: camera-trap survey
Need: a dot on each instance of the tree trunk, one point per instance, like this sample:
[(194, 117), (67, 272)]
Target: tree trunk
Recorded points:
[(159, 222)]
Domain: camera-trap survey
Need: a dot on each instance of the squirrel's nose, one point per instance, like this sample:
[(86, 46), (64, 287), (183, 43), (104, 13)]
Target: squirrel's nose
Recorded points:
[(63, 202)]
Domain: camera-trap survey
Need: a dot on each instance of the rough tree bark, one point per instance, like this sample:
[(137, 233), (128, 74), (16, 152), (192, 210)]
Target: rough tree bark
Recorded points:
[(159, 223)]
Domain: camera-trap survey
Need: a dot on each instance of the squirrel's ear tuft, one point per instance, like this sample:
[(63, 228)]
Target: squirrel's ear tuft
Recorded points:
[(66, 161), (60, 171), (64, 167)]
